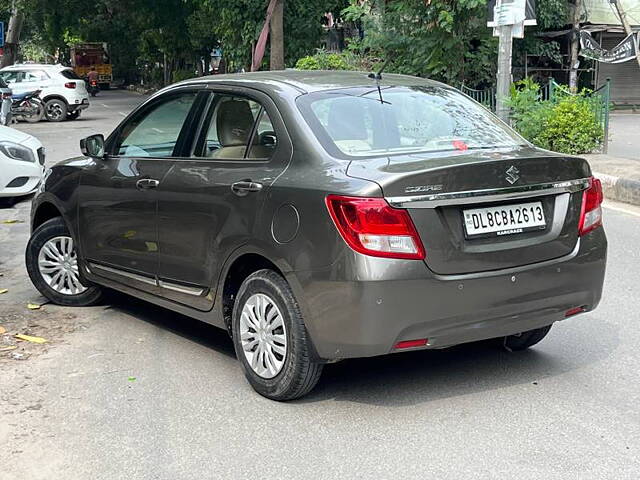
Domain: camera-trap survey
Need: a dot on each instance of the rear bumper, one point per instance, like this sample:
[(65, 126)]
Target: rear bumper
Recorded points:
[(79, 106), (362, 306)]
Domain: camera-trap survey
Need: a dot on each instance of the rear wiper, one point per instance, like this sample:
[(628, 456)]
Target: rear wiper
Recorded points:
[(377, 77)]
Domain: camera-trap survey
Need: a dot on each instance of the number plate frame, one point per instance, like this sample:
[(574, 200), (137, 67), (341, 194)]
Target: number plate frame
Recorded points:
[(485, 230)]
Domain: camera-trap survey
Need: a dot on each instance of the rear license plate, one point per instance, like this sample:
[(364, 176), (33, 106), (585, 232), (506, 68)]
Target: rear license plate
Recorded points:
[(504, 219)]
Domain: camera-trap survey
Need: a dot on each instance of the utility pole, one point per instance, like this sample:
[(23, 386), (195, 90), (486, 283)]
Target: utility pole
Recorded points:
[(503, 82), (13, 37), (276, 54), (625, 23), (575, 45)]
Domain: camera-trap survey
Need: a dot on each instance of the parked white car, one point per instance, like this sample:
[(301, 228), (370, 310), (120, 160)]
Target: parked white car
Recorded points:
[(21, 163), (63, 92)]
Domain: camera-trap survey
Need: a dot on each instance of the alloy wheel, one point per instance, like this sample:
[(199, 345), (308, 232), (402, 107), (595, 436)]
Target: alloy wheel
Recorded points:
[(58, 266), (54, 111), (263, 335)]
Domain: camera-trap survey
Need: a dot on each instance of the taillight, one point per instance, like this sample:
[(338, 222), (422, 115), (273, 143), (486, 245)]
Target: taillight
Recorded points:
[(591, 212), (372, 227), (70, 85)]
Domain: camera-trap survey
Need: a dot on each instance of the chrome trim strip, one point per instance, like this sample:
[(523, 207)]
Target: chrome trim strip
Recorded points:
[(195, 291), (123, 273), (488, 194), (511, 270)]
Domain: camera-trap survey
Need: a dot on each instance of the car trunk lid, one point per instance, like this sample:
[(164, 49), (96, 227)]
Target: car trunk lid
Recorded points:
[(440, 189)]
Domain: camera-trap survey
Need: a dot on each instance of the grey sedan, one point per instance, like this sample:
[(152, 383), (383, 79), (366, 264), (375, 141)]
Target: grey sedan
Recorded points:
[(320, 216)]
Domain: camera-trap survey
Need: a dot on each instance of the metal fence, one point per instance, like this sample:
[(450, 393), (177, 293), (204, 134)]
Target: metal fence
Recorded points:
[(554, 91)]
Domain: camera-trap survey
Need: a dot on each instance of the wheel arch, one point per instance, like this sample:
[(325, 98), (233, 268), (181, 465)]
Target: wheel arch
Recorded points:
[(45, 211), (55, 96)]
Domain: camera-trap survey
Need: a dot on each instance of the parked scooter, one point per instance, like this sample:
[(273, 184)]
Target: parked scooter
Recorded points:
[(27, 106), (93, 87)]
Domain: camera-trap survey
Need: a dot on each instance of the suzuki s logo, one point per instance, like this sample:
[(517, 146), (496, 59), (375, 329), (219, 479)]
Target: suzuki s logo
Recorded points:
[(512, 175)]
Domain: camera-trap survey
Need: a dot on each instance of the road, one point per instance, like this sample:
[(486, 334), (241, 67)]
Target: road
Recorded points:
[(624, 139), (127, 390)]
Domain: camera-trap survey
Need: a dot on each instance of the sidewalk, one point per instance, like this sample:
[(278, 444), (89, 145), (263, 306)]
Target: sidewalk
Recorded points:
[(620, 177)]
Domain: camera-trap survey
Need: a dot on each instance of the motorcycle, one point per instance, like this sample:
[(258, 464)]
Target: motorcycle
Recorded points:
[(93, 87), (27, 106)]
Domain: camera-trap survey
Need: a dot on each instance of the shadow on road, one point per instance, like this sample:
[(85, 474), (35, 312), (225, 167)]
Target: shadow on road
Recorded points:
[(414, 377)]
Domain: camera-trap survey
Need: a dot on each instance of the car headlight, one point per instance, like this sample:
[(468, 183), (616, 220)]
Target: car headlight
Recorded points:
[(16, 151)]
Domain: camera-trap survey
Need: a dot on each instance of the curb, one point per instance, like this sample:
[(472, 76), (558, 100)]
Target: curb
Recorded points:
[(620, 189)]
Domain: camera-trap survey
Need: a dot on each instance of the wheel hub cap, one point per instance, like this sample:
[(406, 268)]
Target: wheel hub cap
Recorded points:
[(263, 335), (58, 265)]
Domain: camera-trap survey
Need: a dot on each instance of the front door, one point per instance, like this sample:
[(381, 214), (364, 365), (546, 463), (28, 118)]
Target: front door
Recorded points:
[(118, 195), (210, 203)]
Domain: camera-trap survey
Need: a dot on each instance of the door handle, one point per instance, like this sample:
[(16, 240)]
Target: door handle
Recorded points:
[(147, 183), (244, 187)]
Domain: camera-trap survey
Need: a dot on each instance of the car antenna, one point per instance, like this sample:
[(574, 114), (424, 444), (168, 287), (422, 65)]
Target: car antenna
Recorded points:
[(377, 77)]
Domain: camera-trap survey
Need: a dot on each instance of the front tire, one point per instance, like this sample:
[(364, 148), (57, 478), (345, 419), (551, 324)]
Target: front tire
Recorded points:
[(270, 339), (526, 339), (52, 265)]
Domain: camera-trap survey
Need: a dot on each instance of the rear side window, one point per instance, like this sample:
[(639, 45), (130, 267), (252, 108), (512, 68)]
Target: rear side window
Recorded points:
[(236, 128), (70, 74), (155, 132)]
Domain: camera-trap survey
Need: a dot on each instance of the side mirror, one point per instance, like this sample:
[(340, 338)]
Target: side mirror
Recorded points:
[(93, 146)]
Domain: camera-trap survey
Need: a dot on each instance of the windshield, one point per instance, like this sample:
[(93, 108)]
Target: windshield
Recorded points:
[(367, 122)]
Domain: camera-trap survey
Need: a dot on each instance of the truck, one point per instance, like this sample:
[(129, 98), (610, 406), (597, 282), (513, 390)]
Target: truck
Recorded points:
[(92, 54)]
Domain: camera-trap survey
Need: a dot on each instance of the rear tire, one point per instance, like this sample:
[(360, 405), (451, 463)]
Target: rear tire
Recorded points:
[(270, 339), (54, 270), (526, 339), (56, 110)]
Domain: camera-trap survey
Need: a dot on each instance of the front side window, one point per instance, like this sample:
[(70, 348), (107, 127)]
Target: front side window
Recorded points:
[(364, 122), (155, 133), (236, 128), (12, 76)]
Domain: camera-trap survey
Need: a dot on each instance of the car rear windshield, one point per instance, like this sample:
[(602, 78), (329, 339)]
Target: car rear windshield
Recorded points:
[(70, 74), (362, 122)]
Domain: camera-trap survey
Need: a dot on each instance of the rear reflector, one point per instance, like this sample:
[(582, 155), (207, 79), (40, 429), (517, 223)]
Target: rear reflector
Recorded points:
[(372, 227), (573, 311), (411, 343), (70, 85), (591, 212)]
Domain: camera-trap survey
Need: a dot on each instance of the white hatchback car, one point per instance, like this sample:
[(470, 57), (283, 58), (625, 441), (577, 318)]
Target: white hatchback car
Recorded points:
[(21, 163), (63, 93)]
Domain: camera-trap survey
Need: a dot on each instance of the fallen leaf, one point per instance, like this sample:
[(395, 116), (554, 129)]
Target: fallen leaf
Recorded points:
[(132, 379), (33, 306), (2, 330), (31, 339), (3, 290), (9, 222), (6, 349)]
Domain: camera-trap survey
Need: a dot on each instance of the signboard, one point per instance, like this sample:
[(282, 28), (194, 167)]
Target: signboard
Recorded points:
[(529, 11), (1, 34), (601, 12), (626, 50)]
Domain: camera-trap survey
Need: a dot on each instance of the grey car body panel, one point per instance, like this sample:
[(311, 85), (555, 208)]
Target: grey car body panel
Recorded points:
[(353, 305)]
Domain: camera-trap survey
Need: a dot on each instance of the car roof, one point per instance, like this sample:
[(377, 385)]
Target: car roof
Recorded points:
[(36, 66), (307, 81)]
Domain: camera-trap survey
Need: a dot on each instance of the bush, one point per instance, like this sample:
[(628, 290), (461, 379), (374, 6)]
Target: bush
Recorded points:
[(324, 61), (179, 75), (566, 123)]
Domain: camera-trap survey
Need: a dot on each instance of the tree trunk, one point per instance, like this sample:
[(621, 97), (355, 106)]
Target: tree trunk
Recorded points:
[(13, 37), (625, 23), (276, 60), (575, 45)]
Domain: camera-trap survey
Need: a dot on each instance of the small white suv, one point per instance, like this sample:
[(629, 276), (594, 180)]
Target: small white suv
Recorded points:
[(63, 92)]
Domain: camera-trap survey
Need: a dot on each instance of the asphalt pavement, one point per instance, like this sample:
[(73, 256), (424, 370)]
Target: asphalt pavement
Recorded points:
[(127, 390)]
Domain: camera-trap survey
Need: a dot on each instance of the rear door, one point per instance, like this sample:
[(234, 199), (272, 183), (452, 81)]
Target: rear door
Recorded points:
[(210, 201), (118, 194)]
